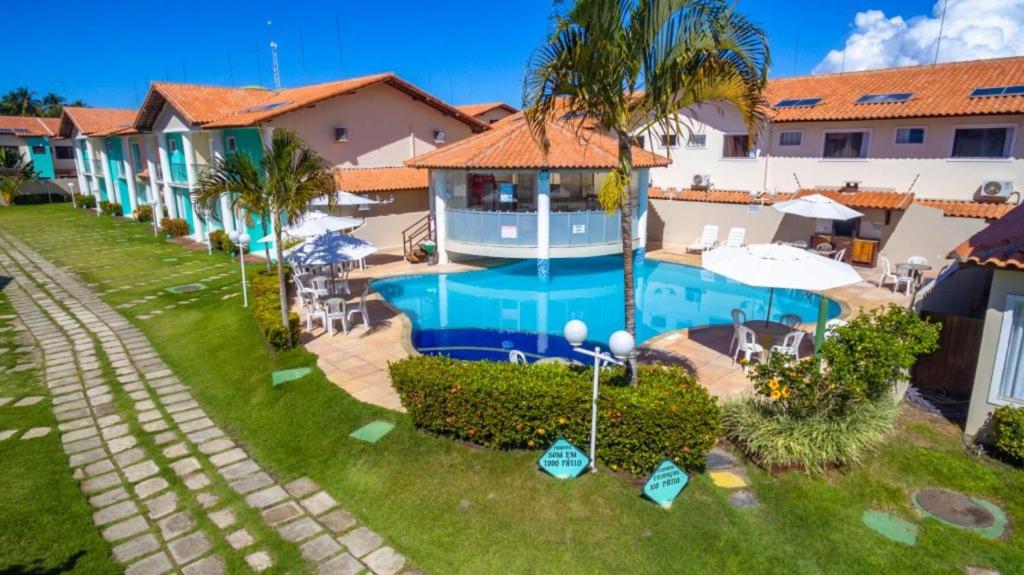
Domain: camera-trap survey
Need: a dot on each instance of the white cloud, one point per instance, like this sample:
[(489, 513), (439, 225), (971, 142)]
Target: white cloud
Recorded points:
[(974, 29)]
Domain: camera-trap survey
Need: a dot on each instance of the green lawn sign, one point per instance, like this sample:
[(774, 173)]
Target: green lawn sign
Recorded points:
[(665, 483), (563, 460)]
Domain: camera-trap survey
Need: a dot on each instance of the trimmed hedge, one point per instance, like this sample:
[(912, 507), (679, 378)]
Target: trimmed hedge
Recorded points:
[(507, 406), (1008, 432), (144, 213), (175, 228), (85, 201), (110, 208), (221, 242), (266, 308)]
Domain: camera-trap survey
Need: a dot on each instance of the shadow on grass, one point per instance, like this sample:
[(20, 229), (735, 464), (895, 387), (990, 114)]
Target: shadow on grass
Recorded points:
[(37, 568)]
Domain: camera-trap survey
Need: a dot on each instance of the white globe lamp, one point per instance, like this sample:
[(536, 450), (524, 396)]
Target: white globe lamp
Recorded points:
[(233, 236), (244, 239), (575, 332), (621, 344)]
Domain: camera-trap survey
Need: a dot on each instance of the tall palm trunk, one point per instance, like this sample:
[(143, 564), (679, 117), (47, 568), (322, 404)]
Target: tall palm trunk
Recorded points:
[(626, 209), (282, 284), (266, 248)]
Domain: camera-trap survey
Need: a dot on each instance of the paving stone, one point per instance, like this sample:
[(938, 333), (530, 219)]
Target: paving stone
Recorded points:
[(130, 456), (162, 505), (238, 470), (196, 481), (319, 548), (76, 424), (144, 405), (151, 486), (216, 446), (175, 451), (176, 524), (6, 434), (299, 530), (115, 431), (338, 520), (151, 415), (155, 426), (27, 401), (83, 445), (205, 435), (78, 434), (74, 414), (152, 565), (109, 497), (227, 457), (5, 400), (138, 547), (122, 443), (100, 483), (180, 406), (360, 541), (165, 437), (743, 498), (319, 503), (195, 425), (259, 561), (223, 518), (211, 565), (183, 416), (207, 500), (115, 512), (189, 547), (343, 564), (183, 467), (281, 513), (140, 471), (125, 529), (35, 433), (301, 487), (240, 539), (385, 561), (108, 420), (266, 497), (98, 467)]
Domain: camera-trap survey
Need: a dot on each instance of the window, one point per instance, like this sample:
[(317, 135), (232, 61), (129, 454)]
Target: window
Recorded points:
[(909, 135), (737, 146), (136, 157), (697, 141), (13, 150), (846, 145), (573, 191), (669, 140), (982, 142), (1008, 374), (884, 98), (231, 144), (440, 136), (791, 138), (38, 149), (515, 192), (64, 152), (172, 145)]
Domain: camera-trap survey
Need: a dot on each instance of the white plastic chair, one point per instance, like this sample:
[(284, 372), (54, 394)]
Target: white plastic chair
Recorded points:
[(840, 255), (906, 277), (313, 311), (342, 282), (917, 260), (738, 319), (517, 357), (886, 272), (736, 238), (361, 308), (319, 288), (747, 344), (832, 325), (707, 240), (790, 344), (334, 311), (790, 320)]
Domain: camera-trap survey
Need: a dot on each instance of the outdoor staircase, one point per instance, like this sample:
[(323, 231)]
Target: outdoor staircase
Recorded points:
[(413, 237)]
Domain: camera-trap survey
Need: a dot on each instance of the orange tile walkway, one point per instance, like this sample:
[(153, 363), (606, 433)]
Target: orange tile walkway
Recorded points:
[(357, 362)]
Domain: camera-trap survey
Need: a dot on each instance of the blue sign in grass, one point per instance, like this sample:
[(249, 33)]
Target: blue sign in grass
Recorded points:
[(665, 483), (563, 460)]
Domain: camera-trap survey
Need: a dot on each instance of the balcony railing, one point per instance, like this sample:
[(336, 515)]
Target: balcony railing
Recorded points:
[(179, 173), (513, 229), (571, 229)]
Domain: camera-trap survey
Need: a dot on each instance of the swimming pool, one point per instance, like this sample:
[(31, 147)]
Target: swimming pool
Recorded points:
[(482, 314)]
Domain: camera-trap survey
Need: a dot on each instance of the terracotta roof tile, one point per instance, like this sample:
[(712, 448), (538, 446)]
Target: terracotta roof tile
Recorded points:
[(713, 196), (513, 146), (28, 126), (477, 109), (940, 90), (877, 199), (358, 180), (968, 209), (96, 121), (1001, 244)]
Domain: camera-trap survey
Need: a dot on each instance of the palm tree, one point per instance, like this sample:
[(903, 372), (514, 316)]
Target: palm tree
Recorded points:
[(53, 104), (20, 102), (289, 177), (14, 171), (628, 66)]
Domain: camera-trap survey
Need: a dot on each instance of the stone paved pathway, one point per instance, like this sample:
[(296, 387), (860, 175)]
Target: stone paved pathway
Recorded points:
[(148, 457)]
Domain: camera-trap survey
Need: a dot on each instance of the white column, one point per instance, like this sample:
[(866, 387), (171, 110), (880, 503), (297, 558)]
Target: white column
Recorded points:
[(190, 171), (266, 135), (91, 152), (129, 173), (155, 185), (439, 191), (227, 216), (108, 181), (543, 223), (83, 185), (165, 167), (641, 220)]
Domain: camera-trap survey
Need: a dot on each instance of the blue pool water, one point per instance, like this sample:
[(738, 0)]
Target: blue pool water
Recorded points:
[(482, 314)]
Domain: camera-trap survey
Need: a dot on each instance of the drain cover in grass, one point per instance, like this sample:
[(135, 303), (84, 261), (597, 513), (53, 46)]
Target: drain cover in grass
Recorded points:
[(187, 288), (286, 375), (959, 510), (373, 431), (891, 527)]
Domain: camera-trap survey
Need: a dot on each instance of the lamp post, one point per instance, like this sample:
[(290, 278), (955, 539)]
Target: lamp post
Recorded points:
[(621, 345), (241, 240)]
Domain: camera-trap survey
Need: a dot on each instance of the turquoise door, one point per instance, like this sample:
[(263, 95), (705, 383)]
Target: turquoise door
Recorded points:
[(185, 209), (42, 160), (103, 189), (247, 141), (176, 158), (126, 205)]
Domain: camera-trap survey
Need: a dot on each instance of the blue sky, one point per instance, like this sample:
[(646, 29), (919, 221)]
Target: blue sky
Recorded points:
[(461, 50)]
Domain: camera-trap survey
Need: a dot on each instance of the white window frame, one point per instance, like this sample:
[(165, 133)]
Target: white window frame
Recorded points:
[(229, 143), (896, 133), (172, 145), (781, 145), (1002, 347), (664, 141), (1009, 146), (697, 146), (867, 147), (750, 156)]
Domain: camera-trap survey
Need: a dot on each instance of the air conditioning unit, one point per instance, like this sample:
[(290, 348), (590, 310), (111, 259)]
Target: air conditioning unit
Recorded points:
[(439, 136), (341, 134), (701, 181), (995, 191)]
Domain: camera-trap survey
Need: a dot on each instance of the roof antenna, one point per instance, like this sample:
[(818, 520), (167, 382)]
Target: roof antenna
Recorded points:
[(942, 24), (277, 66)]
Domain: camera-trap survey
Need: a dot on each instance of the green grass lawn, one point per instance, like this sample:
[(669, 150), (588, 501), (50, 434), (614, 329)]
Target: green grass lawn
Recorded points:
[(457, 509)]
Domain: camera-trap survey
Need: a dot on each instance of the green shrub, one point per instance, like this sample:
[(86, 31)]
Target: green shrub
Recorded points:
[(776, 438), (144, 213), (217, 238), (174, 227), (85, 201), (1008, 432), (266, 308), (507, 406), (110, 208), (227, 245)]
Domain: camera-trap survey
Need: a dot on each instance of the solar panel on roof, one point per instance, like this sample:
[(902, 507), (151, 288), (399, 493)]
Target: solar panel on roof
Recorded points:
[(884, 98), (798, 103), (1013, 90), (268, 107), (6, 131), (998, 91), (22, 130)]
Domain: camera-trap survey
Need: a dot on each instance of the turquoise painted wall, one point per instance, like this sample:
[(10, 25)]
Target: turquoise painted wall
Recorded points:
[(247, 141), (176, 158), (115, 163), (103, 188), (42, 157), (185, 208)]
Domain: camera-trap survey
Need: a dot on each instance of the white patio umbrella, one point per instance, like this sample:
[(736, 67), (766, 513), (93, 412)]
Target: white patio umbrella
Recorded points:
[(315, 224), (329, 249), (345, 199), (781, 266), (817, 206)]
